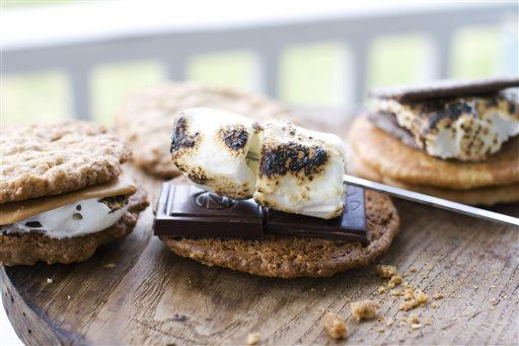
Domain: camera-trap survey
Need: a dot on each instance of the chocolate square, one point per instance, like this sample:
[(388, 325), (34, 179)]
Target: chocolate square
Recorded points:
[(187, 211), (350, 226)]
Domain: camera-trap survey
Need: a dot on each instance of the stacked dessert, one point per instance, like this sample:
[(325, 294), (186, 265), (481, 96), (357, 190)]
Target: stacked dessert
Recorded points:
[(457, 140), (63, 192), (268, 199)]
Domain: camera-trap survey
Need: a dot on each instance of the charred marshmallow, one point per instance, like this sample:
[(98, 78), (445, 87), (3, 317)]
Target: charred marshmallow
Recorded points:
[(301, 171), (464, 128), (211, 147)]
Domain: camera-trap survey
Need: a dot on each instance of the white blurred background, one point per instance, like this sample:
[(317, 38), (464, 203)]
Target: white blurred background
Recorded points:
[(82, 58)]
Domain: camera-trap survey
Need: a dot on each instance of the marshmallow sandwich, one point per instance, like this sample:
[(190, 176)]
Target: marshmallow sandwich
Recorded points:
[(468, 128)]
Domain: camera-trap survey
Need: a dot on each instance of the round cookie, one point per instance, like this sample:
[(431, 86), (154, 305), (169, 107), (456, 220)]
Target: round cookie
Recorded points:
[(29, 248), (486, 196), (146, 120), (291, 257), (388, 156), (50, 159)]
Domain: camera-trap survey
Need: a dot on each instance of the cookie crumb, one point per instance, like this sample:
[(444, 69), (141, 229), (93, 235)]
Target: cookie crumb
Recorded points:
[(428, 322), (413, 298), (389, 322), (421, 297), (381, 290), (109, 266), (335, 326), (414, 319), (68, 296), (416, 326), (253, 338), (396, 293), (381, 330), (408, 294), (397, 279), (394, 281), (49, 280), (434, 306), (366, 309), (385, 271), (437, 295), (413, 269)]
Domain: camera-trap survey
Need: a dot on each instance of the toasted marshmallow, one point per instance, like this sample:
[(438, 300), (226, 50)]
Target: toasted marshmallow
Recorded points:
[(71, 220), (301, 171), (465, 128), (211, 146)]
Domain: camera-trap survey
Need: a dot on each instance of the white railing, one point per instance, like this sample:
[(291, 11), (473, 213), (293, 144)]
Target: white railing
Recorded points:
[(76, 38)]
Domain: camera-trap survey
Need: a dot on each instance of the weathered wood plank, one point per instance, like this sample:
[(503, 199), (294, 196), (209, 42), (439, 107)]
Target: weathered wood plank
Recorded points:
[(155, 297)]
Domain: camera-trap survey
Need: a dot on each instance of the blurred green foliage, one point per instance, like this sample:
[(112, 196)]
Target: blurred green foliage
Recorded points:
[(35, 97), (397, 60), (112, 84), (312, 75), (476, 52), (234, 68)]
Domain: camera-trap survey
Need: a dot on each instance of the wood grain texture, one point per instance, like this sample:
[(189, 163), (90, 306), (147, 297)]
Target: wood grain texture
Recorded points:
[(155, 297)]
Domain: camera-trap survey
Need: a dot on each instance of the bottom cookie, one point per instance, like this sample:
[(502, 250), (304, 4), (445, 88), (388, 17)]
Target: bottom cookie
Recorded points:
[(486, 196), (291, 257), (29, 248)]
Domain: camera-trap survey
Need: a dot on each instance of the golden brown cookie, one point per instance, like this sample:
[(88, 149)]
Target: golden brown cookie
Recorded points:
[(388, 156), (29, 248), (486, 196), (290, 257), (146, 120), (51, 159)]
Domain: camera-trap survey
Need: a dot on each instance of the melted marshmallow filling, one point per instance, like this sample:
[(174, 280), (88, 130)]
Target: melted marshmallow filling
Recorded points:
[(71, 220), (470, 129)]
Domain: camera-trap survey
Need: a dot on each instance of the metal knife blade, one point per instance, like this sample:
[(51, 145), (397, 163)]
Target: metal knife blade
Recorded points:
[(432, 201)]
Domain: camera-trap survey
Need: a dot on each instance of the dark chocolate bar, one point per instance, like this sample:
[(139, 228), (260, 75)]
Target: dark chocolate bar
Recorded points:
[(350, 226), (189, 212), (185, 211), (445, 88), (387, 122)]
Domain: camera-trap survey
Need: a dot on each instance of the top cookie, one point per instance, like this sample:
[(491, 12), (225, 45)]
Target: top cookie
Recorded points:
[(146, 120), (445, 88), (51, 159)]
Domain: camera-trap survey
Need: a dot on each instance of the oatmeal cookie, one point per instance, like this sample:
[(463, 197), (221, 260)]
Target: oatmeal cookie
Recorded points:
[(52, 159), (290, 257)]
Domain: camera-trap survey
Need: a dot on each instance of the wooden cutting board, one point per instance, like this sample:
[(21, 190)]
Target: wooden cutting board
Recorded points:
[(155, 297), (152, 296)]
